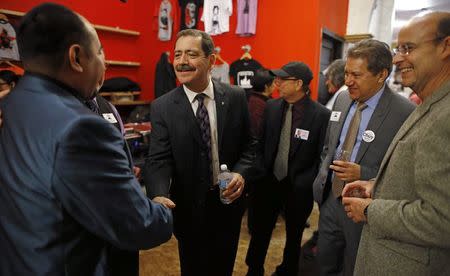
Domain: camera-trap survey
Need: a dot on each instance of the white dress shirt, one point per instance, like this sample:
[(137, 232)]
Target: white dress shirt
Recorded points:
[(211, 107)]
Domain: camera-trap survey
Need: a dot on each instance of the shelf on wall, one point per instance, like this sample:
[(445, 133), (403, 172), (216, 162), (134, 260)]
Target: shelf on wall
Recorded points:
[(116, 30), (97, 27), (122, 63), (129, 102), (13, 13), (108, 94)]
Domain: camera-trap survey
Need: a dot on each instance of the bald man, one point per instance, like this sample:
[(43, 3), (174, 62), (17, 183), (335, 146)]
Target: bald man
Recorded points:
[(406, 210)]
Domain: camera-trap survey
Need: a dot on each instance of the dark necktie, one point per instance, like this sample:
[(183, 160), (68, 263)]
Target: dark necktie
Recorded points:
[(280, 166), (92, 105), (347, 147), (203, 120)]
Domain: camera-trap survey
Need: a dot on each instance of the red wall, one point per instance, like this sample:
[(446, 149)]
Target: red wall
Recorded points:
[(286, 30)]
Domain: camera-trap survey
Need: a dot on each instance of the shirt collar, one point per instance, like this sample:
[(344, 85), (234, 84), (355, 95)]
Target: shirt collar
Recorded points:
[(298, 103), (373, 101), (209, 91)]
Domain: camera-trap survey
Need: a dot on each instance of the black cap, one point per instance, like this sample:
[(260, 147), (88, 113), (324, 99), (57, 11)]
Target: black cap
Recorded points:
[(295, 69)]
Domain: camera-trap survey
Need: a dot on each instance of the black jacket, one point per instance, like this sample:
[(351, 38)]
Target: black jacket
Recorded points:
[(164, 76)]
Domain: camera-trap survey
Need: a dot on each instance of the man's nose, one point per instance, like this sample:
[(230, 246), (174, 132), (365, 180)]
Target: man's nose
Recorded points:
[(397, 58), (348, 80), (184, 58)]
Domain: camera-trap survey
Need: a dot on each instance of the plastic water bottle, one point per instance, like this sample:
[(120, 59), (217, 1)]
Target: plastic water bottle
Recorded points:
[(224, 178)]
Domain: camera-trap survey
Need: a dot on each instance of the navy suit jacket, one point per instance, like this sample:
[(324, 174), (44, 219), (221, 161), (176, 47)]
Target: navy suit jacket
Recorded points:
[(67, 190)]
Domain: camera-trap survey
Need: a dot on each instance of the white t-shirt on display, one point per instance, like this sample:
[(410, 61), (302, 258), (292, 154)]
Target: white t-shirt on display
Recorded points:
[(9, 49), (216, 16), (165, 21)]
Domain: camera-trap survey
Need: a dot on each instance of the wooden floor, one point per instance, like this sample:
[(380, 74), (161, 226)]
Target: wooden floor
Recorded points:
[(164, 261)]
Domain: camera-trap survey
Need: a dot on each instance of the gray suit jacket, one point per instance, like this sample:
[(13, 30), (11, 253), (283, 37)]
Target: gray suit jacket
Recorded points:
[(390, 113), (408, 230)]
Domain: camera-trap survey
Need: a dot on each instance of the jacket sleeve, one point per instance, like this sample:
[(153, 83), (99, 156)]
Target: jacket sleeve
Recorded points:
[(95, 185), (246, 164)]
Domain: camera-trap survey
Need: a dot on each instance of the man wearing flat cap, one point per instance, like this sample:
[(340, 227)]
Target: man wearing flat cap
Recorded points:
[(293, 132)]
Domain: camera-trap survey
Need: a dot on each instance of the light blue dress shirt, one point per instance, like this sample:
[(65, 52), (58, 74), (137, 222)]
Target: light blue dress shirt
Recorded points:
[(365, 118)]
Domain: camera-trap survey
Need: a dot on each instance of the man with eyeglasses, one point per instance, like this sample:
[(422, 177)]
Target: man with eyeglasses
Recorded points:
[(363, 122), (293, 131), (197, 127), (406, 210)]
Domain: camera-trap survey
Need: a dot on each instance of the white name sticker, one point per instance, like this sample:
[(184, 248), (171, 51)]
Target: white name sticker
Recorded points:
[(368, 136), (301, 134), (109, 117), (335, 115)]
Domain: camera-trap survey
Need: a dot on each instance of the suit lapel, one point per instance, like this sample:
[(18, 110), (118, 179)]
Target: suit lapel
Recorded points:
[(184, 109), (273, 130), (413, 119), (222, 103), (417, 114), (305, 124), (278, 121), (378, 116), (344, 102)]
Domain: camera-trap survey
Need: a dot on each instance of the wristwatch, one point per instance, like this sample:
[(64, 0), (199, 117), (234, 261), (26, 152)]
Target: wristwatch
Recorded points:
[(365, 211)]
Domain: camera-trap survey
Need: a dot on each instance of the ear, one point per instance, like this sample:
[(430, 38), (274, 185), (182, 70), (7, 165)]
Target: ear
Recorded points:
[(382, 76), (212, 60), (300, 84), (446, 47), (74, 58)]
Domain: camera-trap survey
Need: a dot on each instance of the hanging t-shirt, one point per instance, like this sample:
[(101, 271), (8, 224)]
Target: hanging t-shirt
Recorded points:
[(247, 10), (216, 16), (8, 43), (243, 70), (165, 20), (220, 72), (189, 13)]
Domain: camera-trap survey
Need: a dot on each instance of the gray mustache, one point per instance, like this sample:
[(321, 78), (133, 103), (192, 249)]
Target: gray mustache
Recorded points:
[(184, 67)]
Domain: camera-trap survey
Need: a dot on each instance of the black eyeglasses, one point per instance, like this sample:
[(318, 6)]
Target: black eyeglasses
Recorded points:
[(406, 49)]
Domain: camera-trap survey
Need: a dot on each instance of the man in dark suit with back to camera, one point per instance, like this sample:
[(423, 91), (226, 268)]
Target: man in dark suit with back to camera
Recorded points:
[(293, 132), (197, 127), (363, 122), (68, 192)]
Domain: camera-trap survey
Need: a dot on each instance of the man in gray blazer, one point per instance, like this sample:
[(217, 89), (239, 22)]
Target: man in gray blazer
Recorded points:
[(363, 122), (407, 230)]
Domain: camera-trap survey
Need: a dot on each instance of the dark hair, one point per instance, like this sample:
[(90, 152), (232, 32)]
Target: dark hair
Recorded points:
[(9, 76), (377, 54), (336, 73), (261, 79), (443, 27), (207, 42), (46, 33)]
